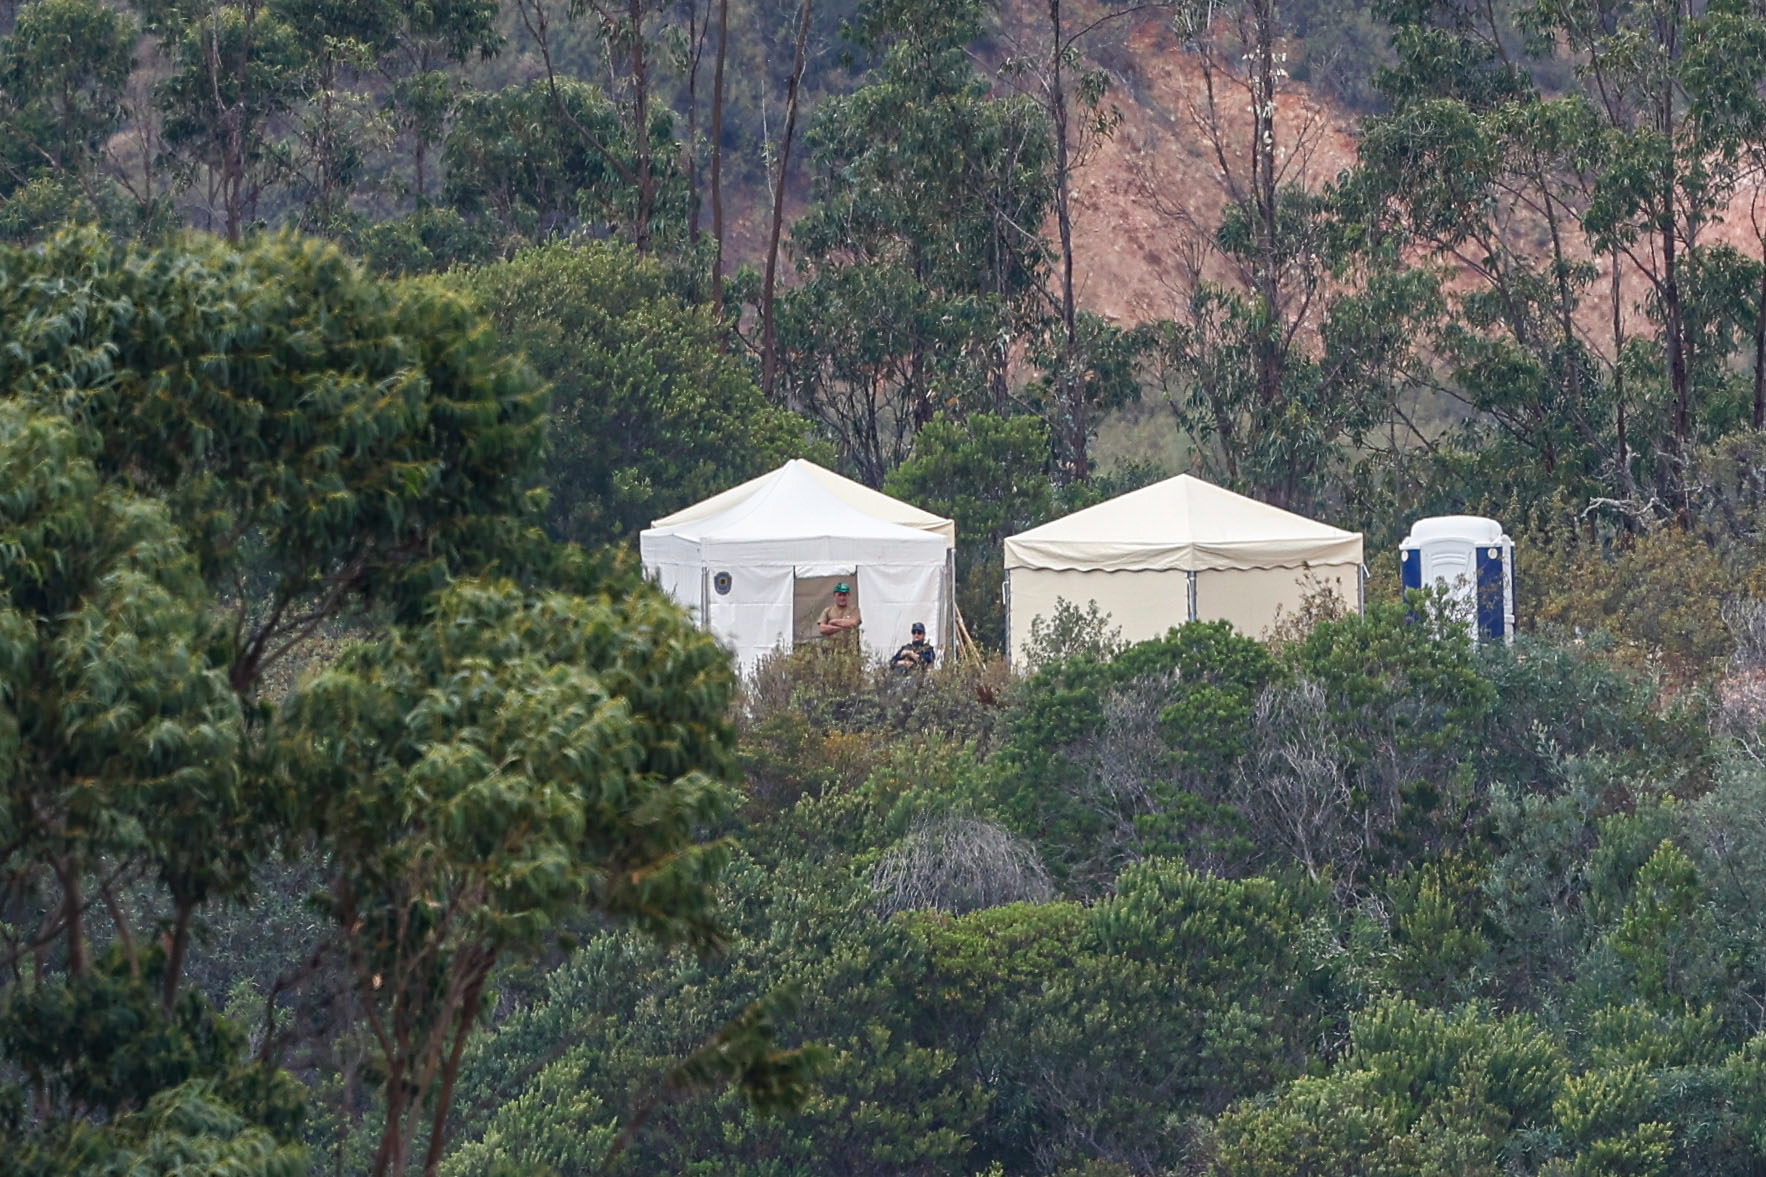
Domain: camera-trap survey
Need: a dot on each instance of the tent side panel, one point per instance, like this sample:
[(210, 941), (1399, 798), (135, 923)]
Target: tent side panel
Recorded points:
[(1259, 601), (754, 617), (1141, 604), (682, 583), (893, 597), (676, 565)]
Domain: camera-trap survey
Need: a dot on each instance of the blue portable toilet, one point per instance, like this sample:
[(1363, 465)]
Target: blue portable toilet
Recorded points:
[(1474, 561)]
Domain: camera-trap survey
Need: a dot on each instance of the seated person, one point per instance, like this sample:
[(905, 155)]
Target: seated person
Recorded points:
[(917, 653), (840, 620)]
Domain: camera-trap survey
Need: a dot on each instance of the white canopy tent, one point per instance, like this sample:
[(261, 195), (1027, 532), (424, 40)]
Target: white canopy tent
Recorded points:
[(854, 494), (1179, 550), (757, 572)]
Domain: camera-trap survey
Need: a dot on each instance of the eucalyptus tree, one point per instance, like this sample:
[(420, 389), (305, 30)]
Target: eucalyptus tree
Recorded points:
[(649, 411), (922, 255), (122, 740), (63, 71), (205, 455), (995, 477), (1621, 179), (232, 72), (1656, 188), (127, 804), (426, 40), (1728, 97), (1295, 334), (324, 440), (513, 763), (537, 161)]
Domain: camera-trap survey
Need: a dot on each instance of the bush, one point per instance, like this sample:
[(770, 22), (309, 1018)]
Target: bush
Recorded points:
[(1105, 762), (1659, 593), (958, 864)]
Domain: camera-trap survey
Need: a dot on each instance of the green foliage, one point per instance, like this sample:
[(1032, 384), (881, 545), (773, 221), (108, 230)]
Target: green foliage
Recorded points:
[(1107, 760), (63, 71), (535, 164), (183, 1129), (119, 742), (1420, 1091), (1408, 701), (1071, 632), (991, 475), (810, 721), (885, 1097), (1439, 930), (1267, 418), (649, 412), (1559, 699), (1101, 1034), (513, 763), (334, 438), (1616, 165), (1658, 593), (231, 73), (430, 240), (917, 273), (1665, 934), (128, 1085)]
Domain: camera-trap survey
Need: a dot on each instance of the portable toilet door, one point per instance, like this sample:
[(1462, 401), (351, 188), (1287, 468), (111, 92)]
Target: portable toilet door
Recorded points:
[(1474, 561)]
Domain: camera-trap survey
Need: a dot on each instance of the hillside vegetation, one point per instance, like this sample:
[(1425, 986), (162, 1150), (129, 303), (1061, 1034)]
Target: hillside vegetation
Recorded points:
[(367, 812)]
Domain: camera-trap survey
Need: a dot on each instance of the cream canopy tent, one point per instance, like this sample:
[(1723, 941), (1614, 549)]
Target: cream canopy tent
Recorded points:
[(758, 572), (855, 494), (1179, 550)]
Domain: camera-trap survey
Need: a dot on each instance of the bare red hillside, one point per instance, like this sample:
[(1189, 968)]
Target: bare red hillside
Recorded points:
[(1146, 203), (1149, 198)]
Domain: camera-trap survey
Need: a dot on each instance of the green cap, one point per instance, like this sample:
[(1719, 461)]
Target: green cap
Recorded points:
[(843, 587)]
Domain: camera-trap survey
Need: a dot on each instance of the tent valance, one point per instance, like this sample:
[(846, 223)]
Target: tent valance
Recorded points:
[(1181, 524)]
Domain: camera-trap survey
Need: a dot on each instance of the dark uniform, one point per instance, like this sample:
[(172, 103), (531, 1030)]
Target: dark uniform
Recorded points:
[(916, 654)]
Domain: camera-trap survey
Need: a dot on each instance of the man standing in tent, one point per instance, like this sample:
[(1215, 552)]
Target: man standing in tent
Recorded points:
[(839, 622)]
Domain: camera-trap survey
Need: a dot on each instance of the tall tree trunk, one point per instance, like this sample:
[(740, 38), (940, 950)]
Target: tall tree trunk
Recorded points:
[(641, 128), (769, 361), (125, 935), (1072, 392), (1759, 417), (717, 158), (232, 117), (389, 1157), (176, 950), (696, 30), (1270, 352), (73, 914), (1674, 327), (450, 1072), (1625, 477), (420, 150)]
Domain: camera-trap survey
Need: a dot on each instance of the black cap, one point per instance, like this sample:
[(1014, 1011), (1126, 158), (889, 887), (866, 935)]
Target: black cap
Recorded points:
[(917, 627)]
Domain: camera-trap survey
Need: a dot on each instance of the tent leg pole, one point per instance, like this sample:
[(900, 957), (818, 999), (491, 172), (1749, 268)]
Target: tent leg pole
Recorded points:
[(1006, 600), (1192, 591), (949, 637)]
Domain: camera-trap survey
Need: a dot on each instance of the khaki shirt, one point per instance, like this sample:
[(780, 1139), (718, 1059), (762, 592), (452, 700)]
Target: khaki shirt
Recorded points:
[(836, 612)]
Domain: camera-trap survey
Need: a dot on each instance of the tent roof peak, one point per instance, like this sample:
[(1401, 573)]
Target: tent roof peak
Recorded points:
[(1181, 523), (801, 471)]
